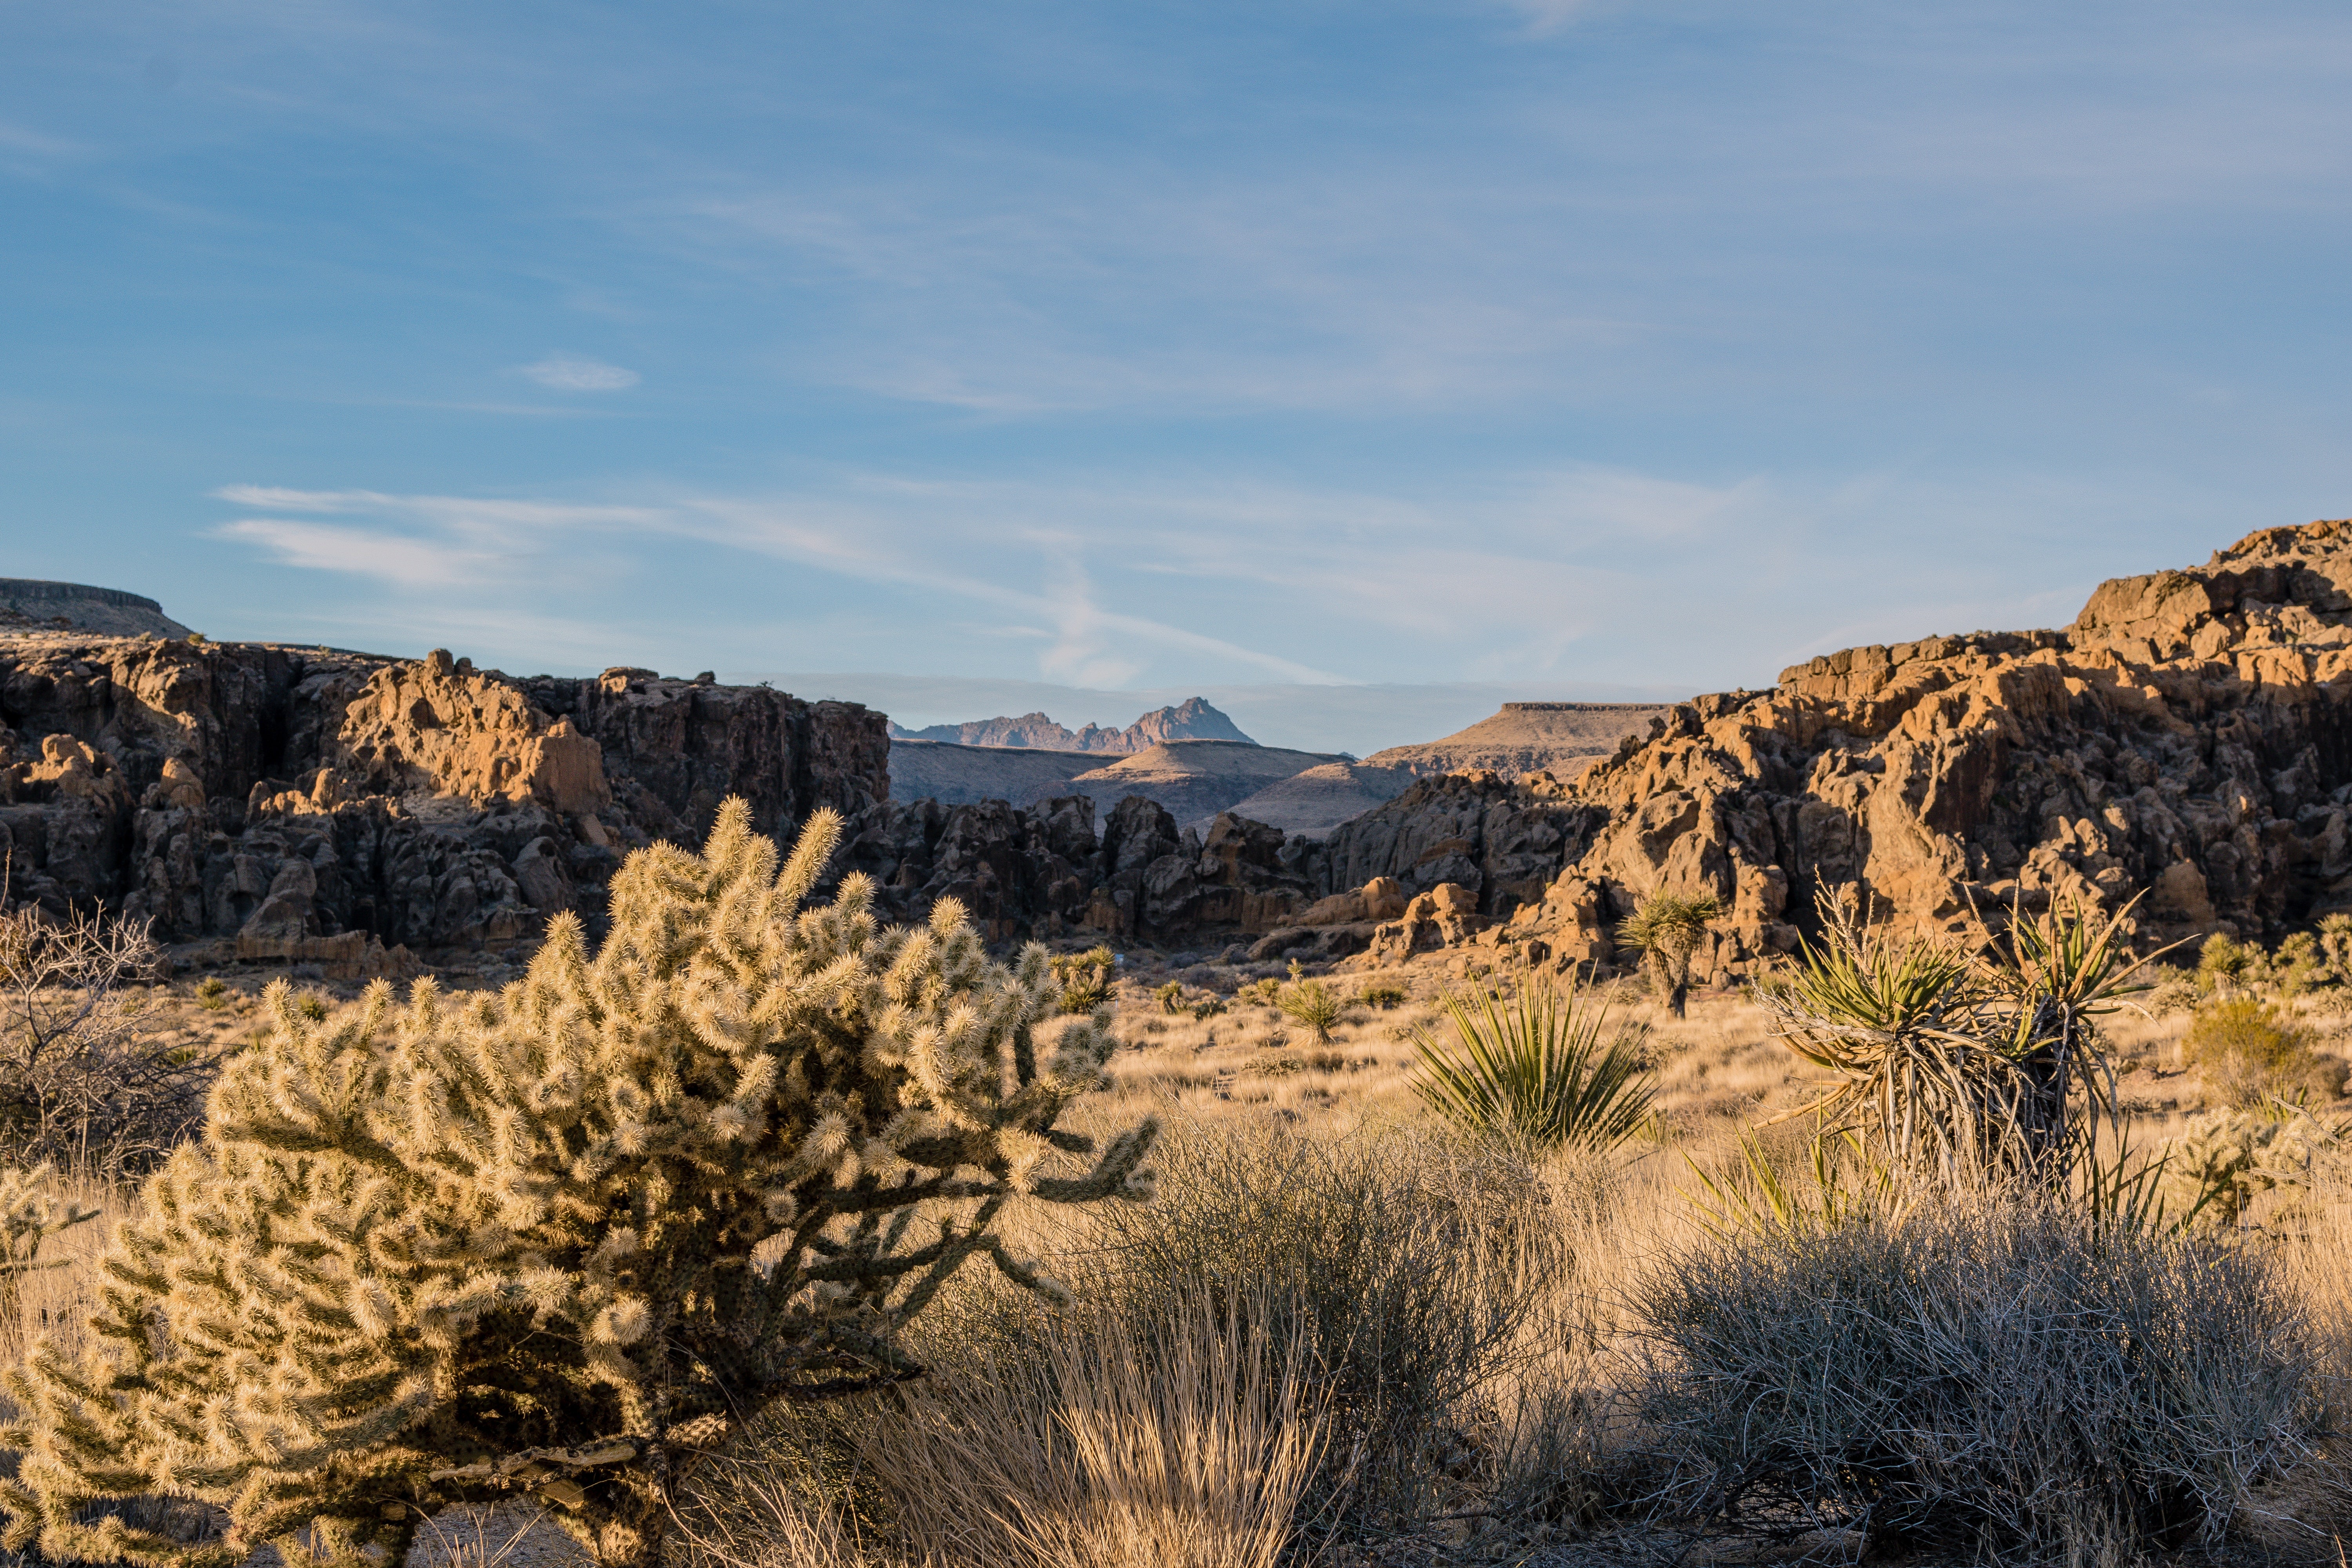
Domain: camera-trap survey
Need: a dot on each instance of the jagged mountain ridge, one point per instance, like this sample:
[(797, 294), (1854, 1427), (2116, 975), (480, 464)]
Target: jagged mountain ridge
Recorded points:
[(1194, 719)]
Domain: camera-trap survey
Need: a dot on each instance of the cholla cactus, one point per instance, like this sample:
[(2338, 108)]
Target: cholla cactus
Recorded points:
[(2225, 1159), (566, 1239), (29, 1217)]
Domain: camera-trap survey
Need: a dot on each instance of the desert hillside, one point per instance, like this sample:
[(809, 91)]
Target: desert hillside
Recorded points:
[(1559, 738), (956, 774)]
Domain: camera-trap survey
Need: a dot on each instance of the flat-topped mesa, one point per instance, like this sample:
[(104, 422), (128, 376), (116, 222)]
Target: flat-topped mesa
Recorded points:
[(35, 602), (2189, 738)]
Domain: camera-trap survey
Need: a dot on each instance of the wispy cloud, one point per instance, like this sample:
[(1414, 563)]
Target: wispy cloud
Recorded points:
[(364, 552), (19, 139), (1575, 574), (566, 372)]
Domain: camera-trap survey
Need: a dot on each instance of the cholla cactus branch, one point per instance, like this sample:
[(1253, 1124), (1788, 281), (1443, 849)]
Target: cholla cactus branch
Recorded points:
[(567, 1237)]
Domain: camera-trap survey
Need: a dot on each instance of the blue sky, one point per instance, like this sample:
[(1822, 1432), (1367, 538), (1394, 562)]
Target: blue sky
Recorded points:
[(1565, 347)]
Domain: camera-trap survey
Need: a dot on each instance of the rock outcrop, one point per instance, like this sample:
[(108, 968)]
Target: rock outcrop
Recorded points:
[(2189, 738), (282, 797)]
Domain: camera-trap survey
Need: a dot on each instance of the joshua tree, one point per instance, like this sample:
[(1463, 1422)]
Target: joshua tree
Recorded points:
[(1666, 931), (566, 1239), (1959, 1067)]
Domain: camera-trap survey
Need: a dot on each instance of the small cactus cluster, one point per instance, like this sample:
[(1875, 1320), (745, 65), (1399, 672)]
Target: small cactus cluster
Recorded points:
[(565, 1239)]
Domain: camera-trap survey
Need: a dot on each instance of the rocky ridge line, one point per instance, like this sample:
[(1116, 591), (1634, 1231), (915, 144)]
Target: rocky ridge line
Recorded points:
[(1192, 719), (308, 804)]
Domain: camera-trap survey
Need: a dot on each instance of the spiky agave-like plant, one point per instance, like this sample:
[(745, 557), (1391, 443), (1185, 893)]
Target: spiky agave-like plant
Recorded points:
[(1542, 1066), (565, 1239), (1960, 1068)]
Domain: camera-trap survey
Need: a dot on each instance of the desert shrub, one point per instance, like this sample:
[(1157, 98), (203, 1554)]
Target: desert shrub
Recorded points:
[(1084, 979), (212, 993), (2171, 990), (1174, 1441), (1178, 1433), (2247, 1051), (1542, 1067), (29, 1216), (1312, 1005), (1383, 995), (2000, 1371), (564, 1239), (1759, 1190), (1208, 1008), (1171, 998), (1258, 993), (89, 1077), (1404, 1269), (1666, 931)]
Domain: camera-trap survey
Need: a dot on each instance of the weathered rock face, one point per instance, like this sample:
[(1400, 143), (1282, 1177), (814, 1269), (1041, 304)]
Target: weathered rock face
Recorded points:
[(2191, 736), (1045, 873), (1501, 840), (283, 796)]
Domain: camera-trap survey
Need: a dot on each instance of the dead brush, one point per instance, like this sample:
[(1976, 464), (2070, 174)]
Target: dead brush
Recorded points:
[(91, 1078), (1991, 1373)]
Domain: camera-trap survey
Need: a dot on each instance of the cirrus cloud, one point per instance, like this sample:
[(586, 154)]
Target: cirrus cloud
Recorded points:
[(569, 372)]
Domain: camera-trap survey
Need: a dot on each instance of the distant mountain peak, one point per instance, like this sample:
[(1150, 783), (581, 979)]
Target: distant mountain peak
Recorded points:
[(1194, 719)]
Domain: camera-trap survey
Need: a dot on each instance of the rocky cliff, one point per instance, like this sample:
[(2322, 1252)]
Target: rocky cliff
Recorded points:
[(2189, 736), (282, 797)]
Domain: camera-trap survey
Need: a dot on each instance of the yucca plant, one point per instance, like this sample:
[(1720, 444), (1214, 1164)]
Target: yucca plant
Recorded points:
[(1842, 1183), (1312, 1005), (1542, 1067), (1666, 931), (1960, 1068)]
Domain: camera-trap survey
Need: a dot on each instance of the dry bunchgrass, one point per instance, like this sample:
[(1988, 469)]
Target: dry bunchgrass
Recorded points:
[(1179, 1439)]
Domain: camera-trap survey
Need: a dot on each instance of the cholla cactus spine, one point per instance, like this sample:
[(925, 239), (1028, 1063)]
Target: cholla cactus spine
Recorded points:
[(565, 1238)]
